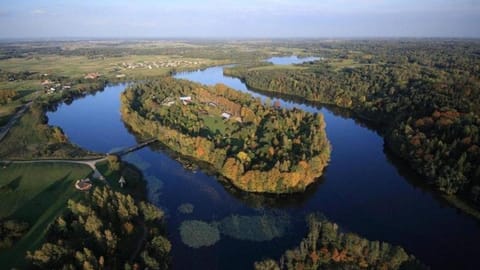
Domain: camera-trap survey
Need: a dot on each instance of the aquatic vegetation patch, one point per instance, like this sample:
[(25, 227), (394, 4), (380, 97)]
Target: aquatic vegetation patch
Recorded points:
[(155, 186), (196, 233), (254, 228), (186, 208)]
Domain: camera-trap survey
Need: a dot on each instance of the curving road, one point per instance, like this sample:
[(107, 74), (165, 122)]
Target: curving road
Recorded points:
[(91, 163)]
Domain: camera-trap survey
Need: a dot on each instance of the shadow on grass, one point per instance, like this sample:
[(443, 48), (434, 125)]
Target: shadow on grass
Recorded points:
[(39, 212), (34, 208), (12, 185)]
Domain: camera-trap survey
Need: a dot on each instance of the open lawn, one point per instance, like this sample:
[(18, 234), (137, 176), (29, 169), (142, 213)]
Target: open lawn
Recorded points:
[(24, 87), (35, 193), (215, 123), (339, 64)]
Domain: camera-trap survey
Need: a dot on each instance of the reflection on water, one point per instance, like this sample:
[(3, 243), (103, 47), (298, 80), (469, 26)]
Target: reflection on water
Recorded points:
[(290, 60)]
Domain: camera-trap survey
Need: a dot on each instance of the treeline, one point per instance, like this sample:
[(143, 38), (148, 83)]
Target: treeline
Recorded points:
[(259, 148), (426, 94), (103, 231), (326, 247)]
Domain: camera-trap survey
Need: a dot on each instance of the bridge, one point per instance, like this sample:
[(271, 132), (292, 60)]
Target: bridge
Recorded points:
[(134, 148)]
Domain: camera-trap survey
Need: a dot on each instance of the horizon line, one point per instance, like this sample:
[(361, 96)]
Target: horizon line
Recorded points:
[(226, 38)]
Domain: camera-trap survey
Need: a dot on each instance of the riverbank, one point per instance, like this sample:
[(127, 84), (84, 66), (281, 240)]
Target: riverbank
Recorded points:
[(373, 186), (397, 211), (257, 147), (411, 140)]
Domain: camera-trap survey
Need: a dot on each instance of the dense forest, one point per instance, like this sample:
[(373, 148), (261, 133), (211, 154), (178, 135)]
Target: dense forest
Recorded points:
[(103, 232), (257, 147), (425, 95), (326, 247)]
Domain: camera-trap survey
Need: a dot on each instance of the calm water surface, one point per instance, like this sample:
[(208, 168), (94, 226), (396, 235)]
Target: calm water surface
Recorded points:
[(289, 60), (362, 190)]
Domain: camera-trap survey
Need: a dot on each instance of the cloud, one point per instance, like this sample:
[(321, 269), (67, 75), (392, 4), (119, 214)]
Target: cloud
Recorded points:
[(38, 11)]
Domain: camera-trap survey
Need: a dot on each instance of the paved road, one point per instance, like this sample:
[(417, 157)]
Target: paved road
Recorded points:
[(6, 128), (91, 163)]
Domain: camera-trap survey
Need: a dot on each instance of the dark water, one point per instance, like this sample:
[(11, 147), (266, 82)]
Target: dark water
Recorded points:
[(363, 189)]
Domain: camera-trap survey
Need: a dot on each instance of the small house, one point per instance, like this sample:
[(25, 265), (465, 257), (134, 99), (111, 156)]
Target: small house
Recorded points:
[(186, 100), (92, 76), (226, 115), (83, 184)]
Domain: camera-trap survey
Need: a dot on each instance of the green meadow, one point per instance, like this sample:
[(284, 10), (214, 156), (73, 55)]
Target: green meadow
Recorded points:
[(35, 193)]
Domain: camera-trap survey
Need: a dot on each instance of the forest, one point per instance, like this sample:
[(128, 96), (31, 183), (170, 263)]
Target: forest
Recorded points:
[(257, 147), (327, 247), (102, 232), (424, 95)]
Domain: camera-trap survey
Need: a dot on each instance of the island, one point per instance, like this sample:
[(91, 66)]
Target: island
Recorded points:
[(425, 105), (328, 246), (255, 146)]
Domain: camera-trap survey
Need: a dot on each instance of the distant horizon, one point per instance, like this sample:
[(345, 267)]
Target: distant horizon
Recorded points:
[(248, 19), (353, 38)]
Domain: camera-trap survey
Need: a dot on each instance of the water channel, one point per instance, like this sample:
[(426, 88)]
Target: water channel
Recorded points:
[(364, 189)]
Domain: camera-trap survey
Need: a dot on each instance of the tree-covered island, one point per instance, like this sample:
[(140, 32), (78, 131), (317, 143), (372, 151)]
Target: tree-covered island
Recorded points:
[(257, 147), (424, 96)]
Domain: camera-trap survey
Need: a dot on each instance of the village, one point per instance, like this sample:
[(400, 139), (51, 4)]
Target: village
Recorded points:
[(160, 64)]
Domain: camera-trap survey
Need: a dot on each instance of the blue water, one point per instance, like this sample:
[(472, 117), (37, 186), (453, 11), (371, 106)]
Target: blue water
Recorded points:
[(290, 60), (363, 190)]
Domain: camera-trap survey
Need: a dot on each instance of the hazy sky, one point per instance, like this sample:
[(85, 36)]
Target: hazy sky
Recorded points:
[(239, 19)]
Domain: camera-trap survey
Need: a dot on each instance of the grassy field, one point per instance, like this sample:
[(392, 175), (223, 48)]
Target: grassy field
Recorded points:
[(214, 123), (35, 193), (78, 66), (130, 67), (339, 64)]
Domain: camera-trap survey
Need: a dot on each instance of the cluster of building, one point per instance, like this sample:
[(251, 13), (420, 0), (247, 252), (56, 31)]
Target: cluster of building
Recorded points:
[(160, 64), (51, 87), (185, 100)]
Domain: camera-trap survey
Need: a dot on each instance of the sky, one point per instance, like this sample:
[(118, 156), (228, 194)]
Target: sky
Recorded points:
[(238, 19)]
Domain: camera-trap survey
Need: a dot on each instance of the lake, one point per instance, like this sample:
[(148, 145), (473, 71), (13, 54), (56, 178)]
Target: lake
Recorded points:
[(364, 189)]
